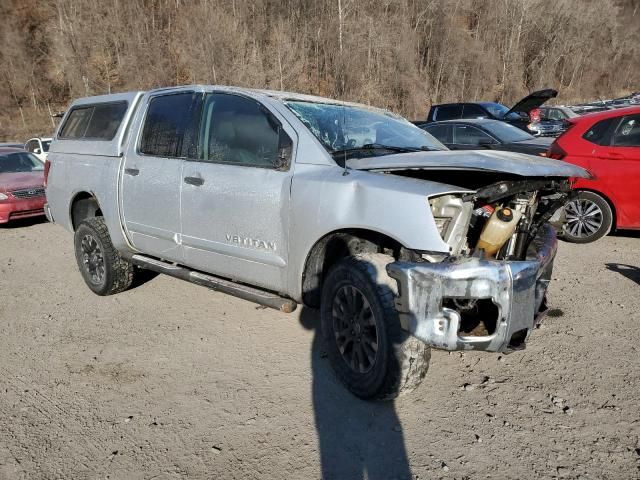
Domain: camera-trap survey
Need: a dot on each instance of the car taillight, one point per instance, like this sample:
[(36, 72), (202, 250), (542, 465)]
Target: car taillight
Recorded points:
[(47, 167), (556, 152)]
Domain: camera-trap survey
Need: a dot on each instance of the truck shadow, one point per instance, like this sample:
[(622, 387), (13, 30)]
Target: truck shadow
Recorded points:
[(629, 271), (357, 439)]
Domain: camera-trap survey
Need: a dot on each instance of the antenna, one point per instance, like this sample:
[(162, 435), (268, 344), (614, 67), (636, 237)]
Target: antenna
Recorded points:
[(345, 172)]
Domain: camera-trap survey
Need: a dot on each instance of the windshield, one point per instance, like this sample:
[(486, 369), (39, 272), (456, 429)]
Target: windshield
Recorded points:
[(499, 111), (506, 133), (19, 162), (361, 131)]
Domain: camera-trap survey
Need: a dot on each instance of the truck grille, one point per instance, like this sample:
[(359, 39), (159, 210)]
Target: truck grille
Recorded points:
[(29, 192)]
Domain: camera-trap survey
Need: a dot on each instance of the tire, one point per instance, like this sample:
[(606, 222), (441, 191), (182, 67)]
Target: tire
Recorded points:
[(400, 361), (589, 218), (104, 271)]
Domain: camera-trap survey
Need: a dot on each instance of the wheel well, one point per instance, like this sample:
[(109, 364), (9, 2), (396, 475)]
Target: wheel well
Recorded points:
[(340, 244), (83, 206), (606, 199)]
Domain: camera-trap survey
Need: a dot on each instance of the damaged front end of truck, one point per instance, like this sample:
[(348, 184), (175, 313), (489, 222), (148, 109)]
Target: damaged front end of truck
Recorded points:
[(488, 292)]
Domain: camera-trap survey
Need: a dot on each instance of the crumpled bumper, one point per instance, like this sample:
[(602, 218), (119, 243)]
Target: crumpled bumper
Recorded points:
[(516, 288)]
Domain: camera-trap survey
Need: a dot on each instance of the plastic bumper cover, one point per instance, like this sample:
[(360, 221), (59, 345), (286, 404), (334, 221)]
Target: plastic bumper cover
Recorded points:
[(517, 288)]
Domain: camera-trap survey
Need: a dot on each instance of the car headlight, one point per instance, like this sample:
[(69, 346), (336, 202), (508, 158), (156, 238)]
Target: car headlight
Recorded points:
[(442, 223), (452, 216), (3, 196)]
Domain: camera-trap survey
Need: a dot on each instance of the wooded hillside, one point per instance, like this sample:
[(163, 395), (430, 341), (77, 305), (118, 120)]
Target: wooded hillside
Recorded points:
[(400, 54)]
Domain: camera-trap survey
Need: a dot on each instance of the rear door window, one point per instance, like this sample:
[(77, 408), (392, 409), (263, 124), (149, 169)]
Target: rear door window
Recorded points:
[(443, 133), (628, 132), (473, 111), (170, 126), (468, 135), (95, 122), (448, 112)]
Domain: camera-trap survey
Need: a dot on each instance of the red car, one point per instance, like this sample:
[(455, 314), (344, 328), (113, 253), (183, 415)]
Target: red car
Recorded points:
[(608, 145), (21, 185)]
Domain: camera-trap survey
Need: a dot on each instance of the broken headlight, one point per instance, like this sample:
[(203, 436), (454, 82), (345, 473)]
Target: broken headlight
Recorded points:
[(442, 223), (451, 216)]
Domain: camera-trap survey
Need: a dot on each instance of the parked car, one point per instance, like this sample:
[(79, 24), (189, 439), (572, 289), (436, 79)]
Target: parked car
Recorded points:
[(274, 197), (486, 134), (608, 144), (518, 115), (556, 112), (39, 147), (21, 185), (550, 121)]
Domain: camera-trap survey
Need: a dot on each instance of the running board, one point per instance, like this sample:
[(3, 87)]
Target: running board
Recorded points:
[(218, 284)]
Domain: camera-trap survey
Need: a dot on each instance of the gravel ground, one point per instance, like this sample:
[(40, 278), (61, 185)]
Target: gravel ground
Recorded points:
[(170, 380)]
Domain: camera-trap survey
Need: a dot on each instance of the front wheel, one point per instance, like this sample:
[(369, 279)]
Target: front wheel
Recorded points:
[(370, 353), (104, 270), (589, 217)]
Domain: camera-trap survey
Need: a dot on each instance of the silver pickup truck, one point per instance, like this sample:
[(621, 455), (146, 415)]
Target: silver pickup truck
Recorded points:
[(283, 199)]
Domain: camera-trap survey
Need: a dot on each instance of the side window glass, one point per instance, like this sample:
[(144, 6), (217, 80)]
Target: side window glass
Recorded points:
[(76, 123), (598, 133), (448, 112), (444, 133), (628, 132), (169, 126), (96, 122), (466, 135), (473, 111), (105, 120), (31, 145), (239, 131)]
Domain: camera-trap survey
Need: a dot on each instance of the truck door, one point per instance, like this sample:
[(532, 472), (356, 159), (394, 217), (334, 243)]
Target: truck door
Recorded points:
[(235, 196), (152, 174)]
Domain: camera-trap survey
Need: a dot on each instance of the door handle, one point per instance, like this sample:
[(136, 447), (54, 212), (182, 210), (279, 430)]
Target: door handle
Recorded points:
[(197, 181), (131, 171), (612, 155)]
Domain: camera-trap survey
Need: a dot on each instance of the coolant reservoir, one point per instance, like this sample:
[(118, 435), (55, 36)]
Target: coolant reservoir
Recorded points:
[(498, 229)]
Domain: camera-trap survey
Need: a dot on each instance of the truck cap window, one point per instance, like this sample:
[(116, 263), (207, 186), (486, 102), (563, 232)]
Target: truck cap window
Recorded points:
[(168, 126), (95, 122), (360, 131), (240, 131)]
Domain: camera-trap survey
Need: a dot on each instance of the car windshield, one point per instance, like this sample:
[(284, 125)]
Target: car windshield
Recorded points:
[(507, 133), (499, 111), (360, 131), (45, 145), (19, 162)]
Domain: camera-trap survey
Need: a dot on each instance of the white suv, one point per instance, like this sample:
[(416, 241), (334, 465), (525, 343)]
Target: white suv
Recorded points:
[(39, 146)]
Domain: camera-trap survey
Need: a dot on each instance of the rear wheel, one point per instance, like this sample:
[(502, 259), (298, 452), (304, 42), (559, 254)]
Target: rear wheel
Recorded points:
[(104, 271), (370, 353), (589, 217)]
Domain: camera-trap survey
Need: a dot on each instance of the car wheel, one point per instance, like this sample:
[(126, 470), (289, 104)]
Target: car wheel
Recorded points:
[(589, 217), (104, 271), (370, 353)]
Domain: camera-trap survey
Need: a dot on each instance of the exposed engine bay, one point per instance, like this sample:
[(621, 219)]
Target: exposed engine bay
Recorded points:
[(499, 220)]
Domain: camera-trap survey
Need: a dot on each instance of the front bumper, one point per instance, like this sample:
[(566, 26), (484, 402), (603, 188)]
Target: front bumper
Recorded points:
[(516, 288), (15, 209)]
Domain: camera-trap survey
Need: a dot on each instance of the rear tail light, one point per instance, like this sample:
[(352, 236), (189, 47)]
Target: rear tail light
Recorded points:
[(556, 152), (47, 167)]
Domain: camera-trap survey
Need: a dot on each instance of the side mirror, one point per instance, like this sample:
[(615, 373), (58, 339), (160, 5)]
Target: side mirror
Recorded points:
[(285, 150), (485, 142)]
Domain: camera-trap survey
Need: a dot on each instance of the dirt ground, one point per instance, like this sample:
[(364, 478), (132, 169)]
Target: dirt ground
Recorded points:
[(170, 380)]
